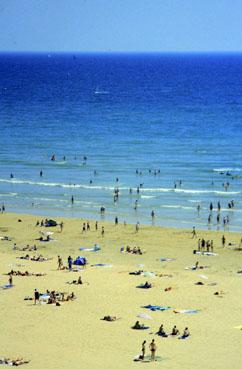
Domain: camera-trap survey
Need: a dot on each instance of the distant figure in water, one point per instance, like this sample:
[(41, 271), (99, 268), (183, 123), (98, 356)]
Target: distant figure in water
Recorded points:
[(72, 200), (64, 158), (116, 220), (152, 214), (41, 173), (53, 157), (11, 175)]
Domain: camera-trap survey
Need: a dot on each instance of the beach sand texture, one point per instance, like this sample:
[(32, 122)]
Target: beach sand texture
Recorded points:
[(73, 336)]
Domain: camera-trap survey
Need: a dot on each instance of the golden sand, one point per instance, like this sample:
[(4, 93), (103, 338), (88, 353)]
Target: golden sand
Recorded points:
[(73, 336)]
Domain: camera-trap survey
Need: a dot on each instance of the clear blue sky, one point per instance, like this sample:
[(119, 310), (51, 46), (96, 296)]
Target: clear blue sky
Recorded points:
[(121, 25)]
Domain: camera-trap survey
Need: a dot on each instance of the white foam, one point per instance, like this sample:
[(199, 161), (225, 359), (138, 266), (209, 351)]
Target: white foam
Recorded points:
[(227, 169)]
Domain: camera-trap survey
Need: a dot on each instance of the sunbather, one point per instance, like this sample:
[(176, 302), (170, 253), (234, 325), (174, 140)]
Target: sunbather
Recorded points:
[(175, 331), (186, 333), (138, 326), (109, 318), (161, 332)]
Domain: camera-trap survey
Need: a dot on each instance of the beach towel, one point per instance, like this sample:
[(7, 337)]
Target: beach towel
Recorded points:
[(93, 249), (186, 311), (102, 265), (205, 253), (147, 359), (148, 274), (183, 338), (143, 287), (167, 259), (156, 307), (238, 327), (144, 316), (7, 286), (141, 328)]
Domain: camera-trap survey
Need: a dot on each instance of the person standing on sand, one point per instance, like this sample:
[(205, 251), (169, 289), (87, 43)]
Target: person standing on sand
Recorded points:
[(194, 234), (137, 227), (152, 350), (61, 226), (143, 350), (223, 240), (96, 226), (60, 263), (102, 231), (69, 261), (10, 281), (36, 296)]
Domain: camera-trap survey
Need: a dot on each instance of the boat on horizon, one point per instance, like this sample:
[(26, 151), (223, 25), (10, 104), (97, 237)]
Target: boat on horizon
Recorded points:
[(97, 91)]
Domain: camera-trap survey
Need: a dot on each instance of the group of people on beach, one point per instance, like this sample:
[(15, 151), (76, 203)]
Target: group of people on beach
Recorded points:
[(129, 250)]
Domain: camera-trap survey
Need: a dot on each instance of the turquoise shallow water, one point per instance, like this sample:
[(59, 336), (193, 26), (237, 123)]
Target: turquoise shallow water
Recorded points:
[(179, 114)]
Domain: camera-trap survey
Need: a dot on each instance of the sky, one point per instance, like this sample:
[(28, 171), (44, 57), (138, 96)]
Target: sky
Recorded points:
[(121, 25)]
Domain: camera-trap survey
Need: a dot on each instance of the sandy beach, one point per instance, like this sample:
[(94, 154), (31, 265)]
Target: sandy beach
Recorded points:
[(73, 335)]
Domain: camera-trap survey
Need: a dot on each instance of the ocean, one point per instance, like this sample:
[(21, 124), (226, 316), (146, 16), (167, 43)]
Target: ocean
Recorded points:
[(170, 124)]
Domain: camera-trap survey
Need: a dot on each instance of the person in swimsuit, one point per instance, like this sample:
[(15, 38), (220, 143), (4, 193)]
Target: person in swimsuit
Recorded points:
[(175, 331), (152, 350), (142, 356)]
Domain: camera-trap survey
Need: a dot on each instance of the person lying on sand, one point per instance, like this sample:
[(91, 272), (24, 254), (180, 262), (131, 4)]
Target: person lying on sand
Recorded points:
[(219, 293), (13, 362), (78, 281), (109, 318), (25, 274), (164, 275), (139, 272), (168, 289)]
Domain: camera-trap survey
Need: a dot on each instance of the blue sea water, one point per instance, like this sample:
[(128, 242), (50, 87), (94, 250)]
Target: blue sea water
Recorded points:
[(177, 113)]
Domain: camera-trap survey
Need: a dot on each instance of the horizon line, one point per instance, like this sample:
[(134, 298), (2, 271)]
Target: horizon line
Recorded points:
[(48, 52)]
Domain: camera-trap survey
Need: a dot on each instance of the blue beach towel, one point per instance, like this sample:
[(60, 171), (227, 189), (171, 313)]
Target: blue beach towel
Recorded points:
[(156, 307), (7, 286)]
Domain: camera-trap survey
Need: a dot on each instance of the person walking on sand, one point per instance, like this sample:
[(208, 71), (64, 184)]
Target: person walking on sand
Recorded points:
[(102, 232), (10, 281), (152, 350), (61, 226), (194, 234)]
